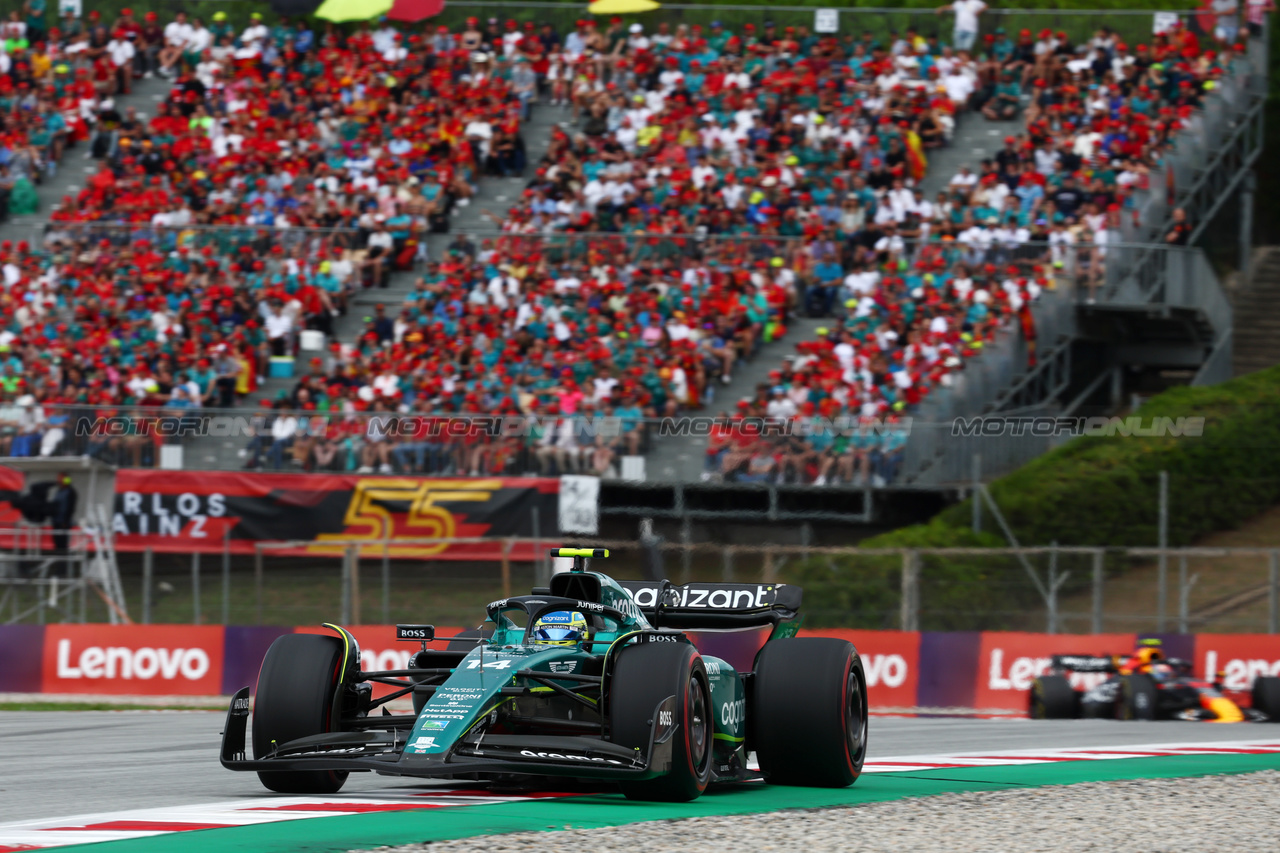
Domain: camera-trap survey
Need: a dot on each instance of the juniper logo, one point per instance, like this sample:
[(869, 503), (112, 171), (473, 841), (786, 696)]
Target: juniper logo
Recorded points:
[(1000, 427)]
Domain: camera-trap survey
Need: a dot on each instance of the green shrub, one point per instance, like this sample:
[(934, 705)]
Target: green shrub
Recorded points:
[(1091, 491)]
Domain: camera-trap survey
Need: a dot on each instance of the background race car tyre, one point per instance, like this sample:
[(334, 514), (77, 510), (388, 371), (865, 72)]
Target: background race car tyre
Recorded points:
[(1138, 697), (295, 698), (1053, 698), (643, 676), (808, 714), (1266, 697)]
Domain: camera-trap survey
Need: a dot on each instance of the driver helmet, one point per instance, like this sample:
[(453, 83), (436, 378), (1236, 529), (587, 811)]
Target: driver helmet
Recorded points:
[(560, 628), (1148, 652), (1162, 672)]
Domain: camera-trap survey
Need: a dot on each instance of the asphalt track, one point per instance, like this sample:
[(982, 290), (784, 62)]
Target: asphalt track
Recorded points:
[(64, 763)]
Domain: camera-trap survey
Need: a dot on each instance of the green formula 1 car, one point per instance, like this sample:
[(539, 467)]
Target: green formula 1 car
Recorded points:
[(591, 678)]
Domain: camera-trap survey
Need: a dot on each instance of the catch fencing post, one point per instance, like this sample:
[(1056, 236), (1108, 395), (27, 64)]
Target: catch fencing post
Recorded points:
[(1051, 600), (1273, 592), (257, 584), (1097, 591), (226, 577), (386, 584), (974, 495), (507, 545), (345, 612), (1184, 592), (148, 570), (355, 584), (195, 587), (910, 616), (686, 556), (726, 568), (1162, 579), (541, 563)]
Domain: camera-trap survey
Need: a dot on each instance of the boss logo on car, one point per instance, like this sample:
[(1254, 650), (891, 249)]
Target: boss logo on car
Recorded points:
[(666, 718)]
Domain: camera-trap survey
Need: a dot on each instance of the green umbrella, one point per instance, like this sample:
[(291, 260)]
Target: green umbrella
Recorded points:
[(352, 10)]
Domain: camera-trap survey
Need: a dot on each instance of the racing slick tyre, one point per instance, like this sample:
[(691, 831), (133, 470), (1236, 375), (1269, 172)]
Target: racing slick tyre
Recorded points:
[(1266, 697), (643, 676), (1053, 698), (808, 715), (295, 698), (1138, 697)]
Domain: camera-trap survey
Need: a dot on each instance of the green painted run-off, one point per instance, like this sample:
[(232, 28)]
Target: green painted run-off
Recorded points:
[(357, 832)]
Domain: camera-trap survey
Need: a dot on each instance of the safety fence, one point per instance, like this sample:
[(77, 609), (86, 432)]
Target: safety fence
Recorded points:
[(1074, 590), (880, 23)]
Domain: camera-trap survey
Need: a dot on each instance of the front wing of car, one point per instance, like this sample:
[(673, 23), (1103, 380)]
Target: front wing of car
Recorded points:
[(390, 753)]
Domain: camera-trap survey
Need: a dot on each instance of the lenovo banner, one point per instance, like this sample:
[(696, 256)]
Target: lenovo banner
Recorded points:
[(133, 659), (982, 671), (189, 511)]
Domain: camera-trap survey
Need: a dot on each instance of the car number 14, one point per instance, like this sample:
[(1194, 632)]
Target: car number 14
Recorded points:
[(500, 664)]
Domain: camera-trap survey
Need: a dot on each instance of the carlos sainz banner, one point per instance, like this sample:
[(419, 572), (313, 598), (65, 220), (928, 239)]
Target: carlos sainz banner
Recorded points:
[(182, 511)]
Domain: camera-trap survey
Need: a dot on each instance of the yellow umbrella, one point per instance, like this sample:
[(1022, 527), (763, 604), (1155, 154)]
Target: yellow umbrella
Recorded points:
[(620, 7), (352, 10)]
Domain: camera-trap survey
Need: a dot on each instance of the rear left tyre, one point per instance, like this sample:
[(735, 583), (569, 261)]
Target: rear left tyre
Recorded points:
[(296, 697), (808, 716), (1053, 698), (1266, 697), (643, 676)]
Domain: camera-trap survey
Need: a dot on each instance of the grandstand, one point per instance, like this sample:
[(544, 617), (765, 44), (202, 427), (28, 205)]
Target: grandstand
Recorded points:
[(641, 219)]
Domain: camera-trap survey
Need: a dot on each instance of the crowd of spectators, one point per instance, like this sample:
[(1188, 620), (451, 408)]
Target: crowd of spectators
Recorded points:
[(711, 185)]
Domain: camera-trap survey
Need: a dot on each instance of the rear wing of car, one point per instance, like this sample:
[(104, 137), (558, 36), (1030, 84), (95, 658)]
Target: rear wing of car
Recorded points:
[(714, 605), (1084, 663)]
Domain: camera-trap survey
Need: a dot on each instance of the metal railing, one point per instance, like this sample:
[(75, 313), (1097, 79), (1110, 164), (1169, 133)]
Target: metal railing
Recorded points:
[(224, 240), (1078, 590), (1133, 25)]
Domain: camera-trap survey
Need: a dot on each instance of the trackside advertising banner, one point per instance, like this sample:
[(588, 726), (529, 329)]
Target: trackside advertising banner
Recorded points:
[(187, 511), (989, 671)]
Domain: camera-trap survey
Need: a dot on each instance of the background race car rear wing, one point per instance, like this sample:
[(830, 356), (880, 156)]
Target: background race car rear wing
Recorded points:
[(1084, 663), (714, 605)]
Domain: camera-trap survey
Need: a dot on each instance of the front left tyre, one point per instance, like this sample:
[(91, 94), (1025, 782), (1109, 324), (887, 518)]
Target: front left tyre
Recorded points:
[(643, 676), (296, 697)]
